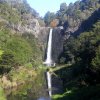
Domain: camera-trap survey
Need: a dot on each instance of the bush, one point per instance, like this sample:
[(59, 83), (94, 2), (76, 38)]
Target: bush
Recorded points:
[(96, 60), (6, 62), (21, 50)]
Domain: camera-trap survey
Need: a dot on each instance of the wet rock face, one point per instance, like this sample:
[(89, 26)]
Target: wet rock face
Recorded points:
[(57, 43)]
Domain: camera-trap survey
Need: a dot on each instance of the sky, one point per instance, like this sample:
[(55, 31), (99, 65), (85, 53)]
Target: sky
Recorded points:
[(42, 6)]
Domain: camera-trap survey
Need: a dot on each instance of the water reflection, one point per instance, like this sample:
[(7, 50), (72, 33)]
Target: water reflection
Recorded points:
[(43, 98), (31, 90)]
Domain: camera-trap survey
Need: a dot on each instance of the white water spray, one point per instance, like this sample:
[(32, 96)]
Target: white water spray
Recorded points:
[(48, 61)]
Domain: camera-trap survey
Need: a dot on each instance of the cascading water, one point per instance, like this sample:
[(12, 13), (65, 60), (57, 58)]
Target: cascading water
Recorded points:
[(48, 61)]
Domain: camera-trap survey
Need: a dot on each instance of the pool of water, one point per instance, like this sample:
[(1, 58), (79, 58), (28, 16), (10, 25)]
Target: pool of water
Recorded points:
[(31, 90), (43, 98)]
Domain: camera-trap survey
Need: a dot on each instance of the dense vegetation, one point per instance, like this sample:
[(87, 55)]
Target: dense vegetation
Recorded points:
[(20, 50), (83, 53), (81, 80), (16, 49), (70, 16)]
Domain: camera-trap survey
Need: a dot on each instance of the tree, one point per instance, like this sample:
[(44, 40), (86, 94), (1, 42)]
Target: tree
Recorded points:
[(96, 60), (49, 17), (6, 62), (63, 7), (54, 23), (21, 50)]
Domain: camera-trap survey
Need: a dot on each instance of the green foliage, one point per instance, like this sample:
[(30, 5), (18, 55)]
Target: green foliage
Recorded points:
[(2, 96), (75, 13), (96, 60), (84, 46), (6, 62), (7, 12), (36, 52), (34, 83), (13, 16), (88, 93), (28, 65), (1, 52), (83, 52), (20, 48), (48, 18), (24, 49), (63, 7), (21, 74)]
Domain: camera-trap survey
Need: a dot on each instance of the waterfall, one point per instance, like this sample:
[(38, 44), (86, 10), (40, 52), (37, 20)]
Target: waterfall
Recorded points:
[(49, 83), (48, 61)]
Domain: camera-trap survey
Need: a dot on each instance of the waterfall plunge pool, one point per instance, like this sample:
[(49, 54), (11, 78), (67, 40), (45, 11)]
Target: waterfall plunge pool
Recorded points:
[(31, 90)]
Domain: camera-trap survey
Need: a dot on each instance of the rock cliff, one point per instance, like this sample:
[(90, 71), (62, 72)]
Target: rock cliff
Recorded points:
[(20, 18)]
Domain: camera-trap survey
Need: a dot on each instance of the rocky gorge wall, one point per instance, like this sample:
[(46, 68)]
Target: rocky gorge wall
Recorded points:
[(22, 19), (18, 18), (58, 35), (57, 43)]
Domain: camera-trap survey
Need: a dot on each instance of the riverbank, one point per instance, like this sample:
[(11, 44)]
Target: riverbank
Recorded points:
[(17, 77)]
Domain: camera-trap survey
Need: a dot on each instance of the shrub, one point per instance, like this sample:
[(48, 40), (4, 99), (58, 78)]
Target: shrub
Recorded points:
[(21, 50), (6, 62)]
